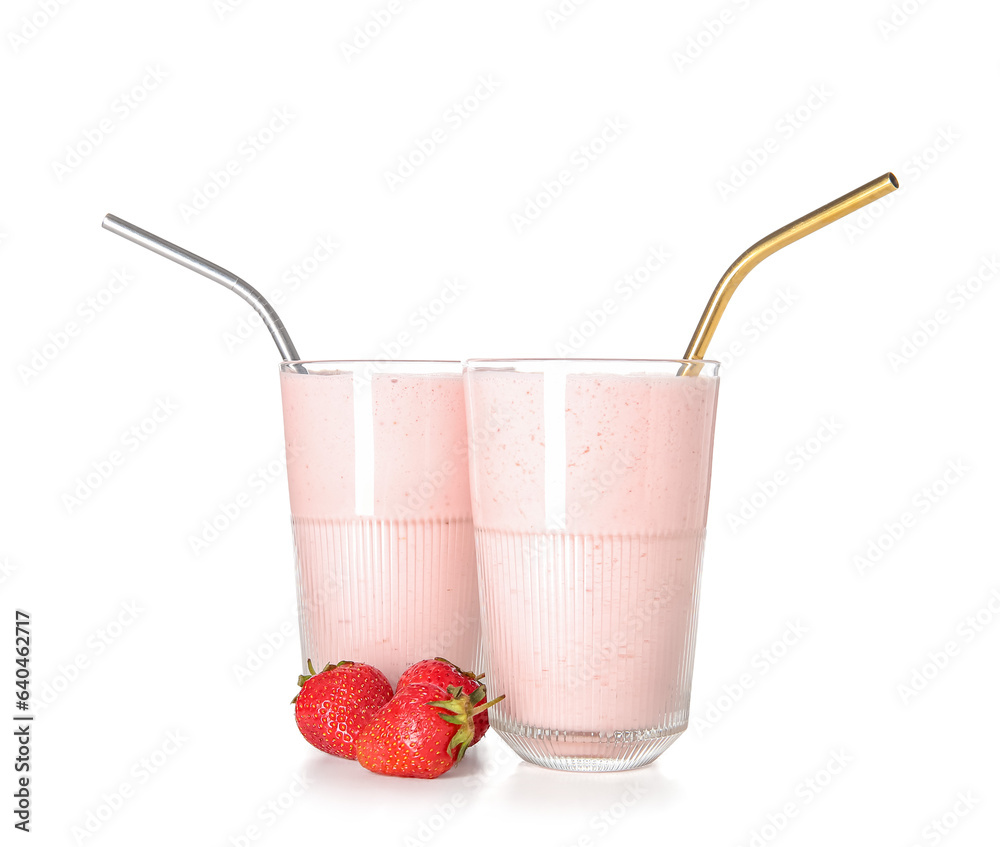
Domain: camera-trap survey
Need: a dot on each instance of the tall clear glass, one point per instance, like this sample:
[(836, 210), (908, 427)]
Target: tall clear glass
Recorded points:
[(381, 516), (590, 483)]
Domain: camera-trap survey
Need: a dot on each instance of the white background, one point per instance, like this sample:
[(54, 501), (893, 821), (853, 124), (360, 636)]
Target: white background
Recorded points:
[(788, 105)]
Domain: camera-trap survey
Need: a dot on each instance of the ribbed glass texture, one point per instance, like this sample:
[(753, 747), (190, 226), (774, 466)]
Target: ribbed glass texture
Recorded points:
[(595, 634), (590, 483), (386, 592)]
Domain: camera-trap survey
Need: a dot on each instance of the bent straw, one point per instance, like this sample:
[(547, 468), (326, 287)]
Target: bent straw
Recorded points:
[(213, 272), (752, 257)]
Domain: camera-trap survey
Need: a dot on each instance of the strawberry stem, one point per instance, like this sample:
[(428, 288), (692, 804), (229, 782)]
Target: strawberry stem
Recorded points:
[(460, 712), (480, 709), (305, 677)]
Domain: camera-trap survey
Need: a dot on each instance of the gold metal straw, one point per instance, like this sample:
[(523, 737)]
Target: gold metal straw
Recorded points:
[(817, 219)]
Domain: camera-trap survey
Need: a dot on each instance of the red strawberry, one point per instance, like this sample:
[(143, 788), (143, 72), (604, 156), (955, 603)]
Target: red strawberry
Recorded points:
[(422, 732), (444, 673), (335, 704)]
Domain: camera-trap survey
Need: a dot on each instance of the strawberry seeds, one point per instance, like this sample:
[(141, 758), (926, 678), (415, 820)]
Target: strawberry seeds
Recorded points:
[(421, 731)]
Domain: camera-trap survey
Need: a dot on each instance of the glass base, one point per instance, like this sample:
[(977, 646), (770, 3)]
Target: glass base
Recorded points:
[(587, 752)]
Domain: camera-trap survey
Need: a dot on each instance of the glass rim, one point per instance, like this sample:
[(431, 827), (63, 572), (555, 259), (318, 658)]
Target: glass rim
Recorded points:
[(367, 369), (388, 364), (562, 361), (315, 367)]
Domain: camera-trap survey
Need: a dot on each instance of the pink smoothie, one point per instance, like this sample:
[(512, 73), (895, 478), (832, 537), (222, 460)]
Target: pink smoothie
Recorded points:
[(590, 495), (381, 516)]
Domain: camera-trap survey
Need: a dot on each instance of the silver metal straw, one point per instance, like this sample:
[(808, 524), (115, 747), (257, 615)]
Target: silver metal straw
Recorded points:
[(213, 272)]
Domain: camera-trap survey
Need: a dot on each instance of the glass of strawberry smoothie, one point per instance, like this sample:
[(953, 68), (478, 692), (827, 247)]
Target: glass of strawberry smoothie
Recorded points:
[(590, 483), (381, 516)]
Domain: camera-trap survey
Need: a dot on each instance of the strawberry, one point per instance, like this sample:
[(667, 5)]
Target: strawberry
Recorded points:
[(335, 704), (444, 673), (421, 732)]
